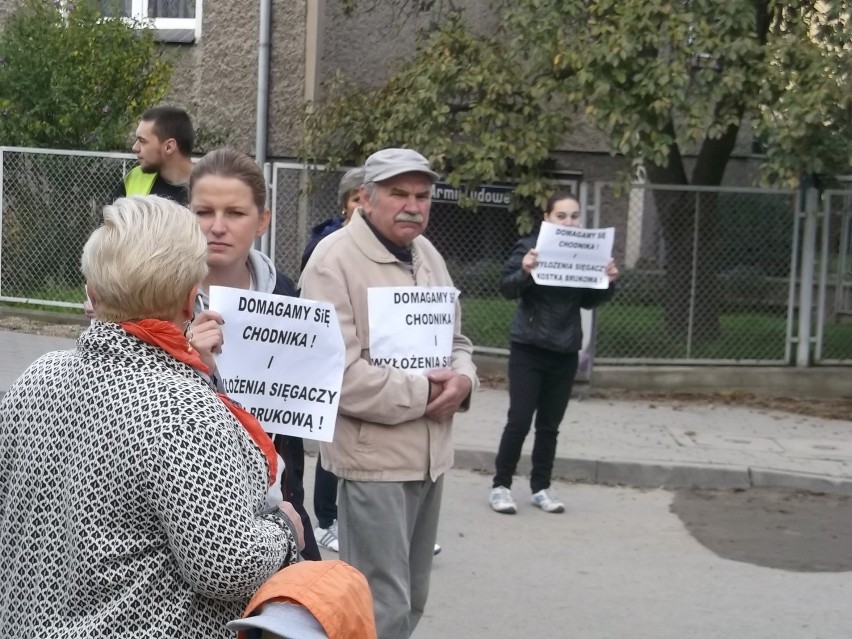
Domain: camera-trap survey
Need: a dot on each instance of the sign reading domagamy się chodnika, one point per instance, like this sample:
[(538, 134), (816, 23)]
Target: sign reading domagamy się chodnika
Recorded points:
[(412, 327), (282, 359), (569, 256)]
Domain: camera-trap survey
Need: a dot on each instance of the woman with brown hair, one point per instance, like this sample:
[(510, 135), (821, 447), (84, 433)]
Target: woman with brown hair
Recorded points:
[(228, 197)]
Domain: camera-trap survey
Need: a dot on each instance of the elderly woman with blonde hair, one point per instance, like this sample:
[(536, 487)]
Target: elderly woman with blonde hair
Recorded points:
[(131, 494)]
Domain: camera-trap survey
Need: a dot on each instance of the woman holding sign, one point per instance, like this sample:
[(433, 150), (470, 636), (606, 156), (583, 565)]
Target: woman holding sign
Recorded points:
[(546, 337), (228, 197)]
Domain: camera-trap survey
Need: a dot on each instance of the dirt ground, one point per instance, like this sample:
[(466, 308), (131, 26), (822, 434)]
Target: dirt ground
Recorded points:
[(827, 408), (36, 327)]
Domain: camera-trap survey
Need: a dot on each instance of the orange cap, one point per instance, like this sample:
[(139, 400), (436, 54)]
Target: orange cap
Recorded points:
[(333, 591)]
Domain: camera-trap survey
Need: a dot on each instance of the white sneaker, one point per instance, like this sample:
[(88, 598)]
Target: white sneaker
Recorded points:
[(327, 537), (502, 502), (547, 502), (437, 549)]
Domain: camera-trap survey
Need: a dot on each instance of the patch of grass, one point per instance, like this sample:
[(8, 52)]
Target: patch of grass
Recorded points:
[(486, 320), (639, 331), (57, 292), (837, 342), (634, 331)]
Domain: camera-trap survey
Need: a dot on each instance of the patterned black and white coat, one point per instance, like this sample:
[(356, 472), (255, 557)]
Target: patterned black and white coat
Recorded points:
[(131, 500)]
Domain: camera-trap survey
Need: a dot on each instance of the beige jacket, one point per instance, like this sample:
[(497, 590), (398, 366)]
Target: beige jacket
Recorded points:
[(381, 432)]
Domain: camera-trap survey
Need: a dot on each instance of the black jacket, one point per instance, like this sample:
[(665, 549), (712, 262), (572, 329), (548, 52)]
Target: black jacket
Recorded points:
[(547, 316), (320, 231), (292, 451)]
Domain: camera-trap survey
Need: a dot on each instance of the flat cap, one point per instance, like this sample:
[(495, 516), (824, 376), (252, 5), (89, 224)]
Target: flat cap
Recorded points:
[(388, 163)]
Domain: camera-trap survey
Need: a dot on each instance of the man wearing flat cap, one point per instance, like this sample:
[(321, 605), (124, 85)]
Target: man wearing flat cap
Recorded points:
[(408, 371)]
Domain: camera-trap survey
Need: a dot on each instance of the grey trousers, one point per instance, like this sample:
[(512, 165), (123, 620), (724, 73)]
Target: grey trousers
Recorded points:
[(387, 530)]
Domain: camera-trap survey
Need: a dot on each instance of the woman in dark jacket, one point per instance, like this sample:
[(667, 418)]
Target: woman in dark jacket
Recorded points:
[(228, 197), (546, 337)]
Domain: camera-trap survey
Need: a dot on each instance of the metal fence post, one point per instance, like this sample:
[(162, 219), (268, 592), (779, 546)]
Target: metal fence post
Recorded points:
[(806, 280), (789, 340), (693, 284), (825, 258), (2, 190), (265, 244), (302, 212), (635, 218), (273, 206)]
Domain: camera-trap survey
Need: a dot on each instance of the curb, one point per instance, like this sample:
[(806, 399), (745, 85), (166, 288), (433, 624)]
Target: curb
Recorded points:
[(670, 475), (637, 474), (50, 317)]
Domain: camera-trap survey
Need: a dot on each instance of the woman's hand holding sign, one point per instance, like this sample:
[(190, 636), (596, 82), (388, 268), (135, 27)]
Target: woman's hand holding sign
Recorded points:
[(612, 271), (529, 261), (205, 336)]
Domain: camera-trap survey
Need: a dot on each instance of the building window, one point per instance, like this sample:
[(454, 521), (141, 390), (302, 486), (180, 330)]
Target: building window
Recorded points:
[(174, 20)]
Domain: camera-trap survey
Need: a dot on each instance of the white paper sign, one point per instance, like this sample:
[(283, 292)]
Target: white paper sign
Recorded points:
[(575, 257), (411, 327), (283, 360)]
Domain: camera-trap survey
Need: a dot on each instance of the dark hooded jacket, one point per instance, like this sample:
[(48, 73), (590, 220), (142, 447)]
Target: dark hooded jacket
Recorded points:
[(547, 316)]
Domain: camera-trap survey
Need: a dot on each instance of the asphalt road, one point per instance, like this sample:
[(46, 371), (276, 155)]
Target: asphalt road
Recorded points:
[(640, 564)]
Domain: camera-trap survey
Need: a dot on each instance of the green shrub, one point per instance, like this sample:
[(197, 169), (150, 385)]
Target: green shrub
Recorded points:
[(71, 79)]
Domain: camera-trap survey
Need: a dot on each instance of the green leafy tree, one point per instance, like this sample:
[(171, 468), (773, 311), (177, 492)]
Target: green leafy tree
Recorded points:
[(68, 79), (71, 79), (660, 79)]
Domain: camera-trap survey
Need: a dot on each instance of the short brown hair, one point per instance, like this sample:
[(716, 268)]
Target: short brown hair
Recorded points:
[(231, 163), (172, 123), (558, 197)]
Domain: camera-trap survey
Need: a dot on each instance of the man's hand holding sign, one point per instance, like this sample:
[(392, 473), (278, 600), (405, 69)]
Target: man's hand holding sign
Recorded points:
[(448, 391)]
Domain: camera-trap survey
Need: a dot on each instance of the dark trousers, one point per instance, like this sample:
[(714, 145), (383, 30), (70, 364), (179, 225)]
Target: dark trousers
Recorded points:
[(325, 495), (292, 451), (540, 383)]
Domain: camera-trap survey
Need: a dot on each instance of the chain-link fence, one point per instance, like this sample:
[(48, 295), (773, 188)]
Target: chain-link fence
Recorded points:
[(474, 242), (50, 202), (301, 199), (833, 316), (705, 274)]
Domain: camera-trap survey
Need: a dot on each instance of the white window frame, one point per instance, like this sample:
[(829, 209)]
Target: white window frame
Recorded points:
[(139, 11)]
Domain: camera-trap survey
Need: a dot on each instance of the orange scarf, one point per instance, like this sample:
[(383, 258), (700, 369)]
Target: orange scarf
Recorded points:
[(166, 336)]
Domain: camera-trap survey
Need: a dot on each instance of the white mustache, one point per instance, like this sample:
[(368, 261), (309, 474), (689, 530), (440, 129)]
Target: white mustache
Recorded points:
[(416, 218)]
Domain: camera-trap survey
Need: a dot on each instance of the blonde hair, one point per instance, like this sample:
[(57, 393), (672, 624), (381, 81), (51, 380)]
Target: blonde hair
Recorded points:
[(144, 260)]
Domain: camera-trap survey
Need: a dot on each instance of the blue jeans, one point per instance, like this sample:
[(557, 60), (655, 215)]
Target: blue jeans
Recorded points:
[(540, 383)]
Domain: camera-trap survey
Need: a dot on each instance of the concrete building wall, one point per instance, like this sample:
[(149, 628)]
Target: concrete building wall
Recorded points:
[(216, 77), (370, 44), (6, 8)]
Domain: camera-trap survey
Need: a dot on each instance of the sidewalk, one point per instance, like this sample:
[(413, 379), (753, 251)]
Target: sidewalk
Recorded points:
[(638, 443)]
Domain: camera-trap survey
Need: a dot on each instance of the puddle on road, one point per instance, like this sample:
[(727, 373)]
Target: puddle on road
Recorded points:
[(793, 531)]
